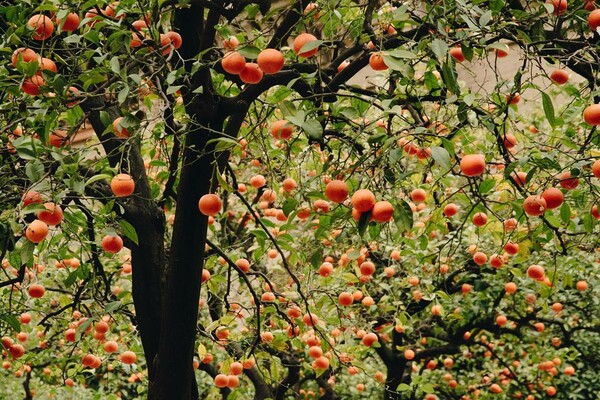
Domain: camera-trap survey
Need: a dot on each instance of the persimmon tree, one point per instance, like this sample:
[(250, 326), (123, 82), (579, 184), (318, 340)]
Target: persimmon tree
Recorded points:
[(299, 199)]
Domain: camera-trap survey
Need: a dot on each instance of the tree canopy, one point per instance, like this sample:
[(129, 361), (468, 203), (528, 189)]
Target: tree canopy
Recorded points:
[(293, 200)]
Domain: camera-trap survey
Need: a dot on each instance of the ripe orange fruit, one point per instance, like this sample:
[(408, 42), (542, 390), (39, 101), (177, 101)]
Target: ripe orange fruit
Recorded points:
[(27, 55), (310, 319), (43, 26), (231, 44), (409, 354), (596, 168), (52, 215), (233, 63), (70, 24), (569, 371), (594, 19), (535, 205), (581, 286), (128, 357), (36, 290), (418, 195), (554, 198), (383, 211), (47, 64), (480, 258), (16, 351), (369, 339), (495, 388), (165, 44), (367, 268), (510, 288), (560, 6), (111, 346), (119, 130), (480, 219), (36, 231), (270, 61), (243, 264), (251, 74), (122, 185), (511, 248), (301, 40), (450, 210), (472, 164), (325, 269), (457, 54), (559, 76), (221, 380), (321, 363), (31, 197), (336, 191), (536, 272), (112, 243), (32, 85), (513, 98), (175, 38), (236, 368), (501, 320), (363, 200), (101, 327), (210, 204), (289, 184), (377, 62), (282, 129), (496, 261), (345, 299), (591, 114), (567, 181), (510, 224), (258, 181)]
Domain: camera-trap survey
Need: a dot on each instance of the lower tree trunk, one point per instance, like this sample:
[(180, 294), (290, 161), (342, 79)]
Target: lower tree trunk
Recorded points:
[(395, 375), (148, 261), (175, 377)]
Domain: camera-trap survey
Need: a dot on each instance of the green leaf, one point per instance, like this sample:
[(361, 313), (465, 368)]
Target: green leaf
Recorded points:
[(114, 65), (128, 231), (363, 222), (112, 306), (12, 321), (313, 44), (122, 96), (565, 213), (401, 53), (487, 185), (441, 156), (313, 129), (289, 205), (440, 49), (105, 118), (403, 216), (485, 18), (27, 251), (403, 387), (251, 52), (34, 170), (70, 280), (83, 327), (99, 177), (449, 77), (548, 109), (201, 351)]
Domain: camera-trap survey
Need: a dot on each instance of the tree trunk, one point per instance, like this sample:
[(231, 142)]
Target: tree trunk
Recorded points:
[(175, 377), (395, 375)]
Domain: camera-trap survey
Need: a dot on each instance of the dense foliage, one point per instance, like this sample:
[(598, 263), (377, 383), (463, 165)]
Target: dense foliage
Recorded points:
[(352, 213)]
